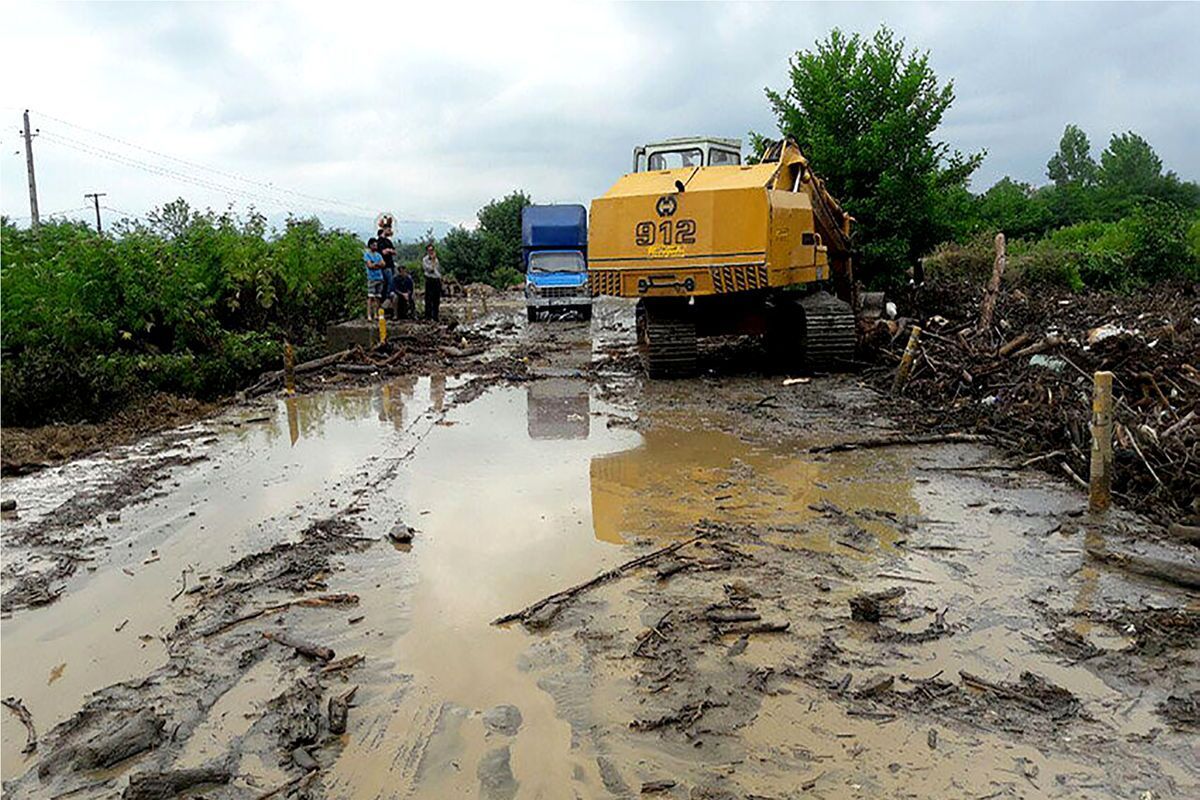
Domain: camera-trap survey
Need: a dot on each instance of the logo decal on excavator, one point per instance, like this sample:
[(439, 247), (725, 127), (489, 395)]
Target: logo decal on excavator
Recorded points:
[(665, 206)]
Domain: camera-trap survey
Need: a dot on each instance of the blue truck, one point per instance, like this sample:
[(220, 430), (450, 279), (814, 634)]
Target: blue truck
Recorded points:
[(554, 259)]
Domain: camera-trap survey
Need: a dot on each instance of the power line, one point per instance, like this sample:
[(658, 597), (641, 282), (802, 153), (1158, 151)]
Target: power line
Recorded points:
[(161, 171), (269, 186)]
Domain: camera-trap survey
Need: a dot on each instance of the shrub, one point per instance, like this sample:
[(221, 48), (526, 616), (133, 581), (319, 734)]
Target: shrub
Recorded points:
[(187, 302)]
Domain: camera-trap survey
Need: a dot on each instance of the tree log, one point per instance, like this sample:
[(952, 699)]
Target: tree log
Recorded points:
[(339, 710), (987, 308), (132, 735), (1170, 571), (300, 646), (164, 785)]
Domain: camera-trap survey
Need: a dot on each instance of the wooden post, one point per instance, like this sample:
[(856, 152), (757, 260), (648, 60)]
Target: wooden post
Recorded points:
[(910, 352), (469, 309), (289, 368), (382, 326), (987, 308), (1100, 488)]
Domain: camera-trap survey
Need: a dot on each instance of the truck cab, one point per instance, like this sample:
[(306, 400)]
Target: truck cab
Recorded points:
[(554, 258), (687, 151)]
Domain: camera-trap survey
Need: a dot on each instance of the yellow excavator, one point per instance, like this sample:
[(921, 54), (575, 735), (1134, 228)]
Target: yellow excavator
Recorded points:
[(710, 246)]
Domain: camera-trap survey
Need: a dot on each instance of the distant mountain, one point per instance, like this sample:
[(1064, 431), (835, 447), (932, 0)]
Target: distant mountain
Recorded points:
[(407, 230)]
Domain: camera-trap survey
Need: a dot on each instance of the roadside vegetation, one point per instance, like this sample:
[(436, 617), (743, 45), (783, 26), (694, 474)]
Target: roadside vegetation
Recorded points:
[(185, 302)]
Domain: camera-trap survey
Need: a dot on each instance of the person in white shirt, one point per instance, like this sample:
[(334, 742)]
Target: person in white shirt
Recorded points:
[(433, 282)]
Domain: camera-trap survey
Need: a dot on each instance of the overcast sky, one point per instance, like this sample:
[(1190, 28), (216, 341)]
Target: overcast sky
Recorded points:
[(431, 110)]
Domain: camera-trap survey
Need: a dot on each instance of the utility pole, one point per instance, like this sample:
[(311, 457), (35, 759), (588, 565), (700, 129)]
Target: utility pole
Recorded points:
[(95, 198), (28, 134)]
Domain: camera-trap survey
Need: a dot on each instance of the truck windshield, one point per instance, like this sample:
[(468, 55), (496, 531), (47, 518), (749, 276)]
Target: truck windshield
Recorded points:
[(556, 262)]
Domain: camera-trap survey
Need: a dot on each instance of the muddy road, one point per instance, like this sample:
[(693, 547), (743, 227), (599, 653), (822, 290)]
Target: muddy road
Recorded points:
[(732, 611)]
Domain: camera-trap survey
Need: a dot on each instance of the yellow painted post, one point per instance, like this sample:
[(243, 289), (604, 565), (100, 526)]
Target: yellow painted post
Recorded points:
[(1100, 487), (382, 326), (910, 352), (289, 368)]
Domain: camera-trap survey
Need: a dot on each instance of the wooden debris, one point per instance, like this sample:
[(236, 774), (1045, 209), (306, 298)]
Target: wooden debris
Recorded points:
[(339, 710), (294, 783), (987, 308), (300, 646), (559, 598), (165, 785), (310, 602), (899, 441), (654, 787), (15, 705), (132, 735), (1174, 572), (875, 685), (868, 607), (343, 663)]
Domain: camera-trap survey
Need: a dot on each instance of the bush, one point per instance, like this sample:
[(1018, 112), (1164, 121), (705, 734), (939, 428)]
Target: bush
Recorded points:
[(191, 303)]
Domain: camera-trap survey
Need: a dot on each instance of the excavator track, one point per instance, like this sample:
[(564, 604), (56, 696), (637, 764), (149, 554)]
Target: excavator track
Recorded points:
[(666, 335), (830, 333)]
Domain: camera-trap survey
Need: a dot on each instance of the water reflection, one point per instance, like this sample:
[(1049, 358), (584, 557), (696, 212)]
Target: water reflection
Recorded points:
[(676, 477), (308, 415), (558, 408)]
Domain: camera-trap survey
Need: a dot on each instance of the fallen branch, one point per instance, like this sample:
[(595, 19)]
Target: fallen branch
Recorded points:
[(558, 598), (343, 663), (15, 705), (1169, 571), (303, 780), (271, 378), (323, 600), (300, 646), (899, 441), (165, 785)]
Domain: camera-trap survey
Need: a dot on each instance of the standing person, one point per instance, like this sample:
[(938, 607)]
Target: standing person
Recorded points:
[(373, 263), (433, 282), (388, 250)]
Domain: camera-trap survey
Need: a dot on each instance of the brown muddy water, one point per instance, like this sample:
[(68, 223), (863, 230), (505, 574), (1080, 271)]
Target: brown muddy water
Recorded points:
[(529, 489)]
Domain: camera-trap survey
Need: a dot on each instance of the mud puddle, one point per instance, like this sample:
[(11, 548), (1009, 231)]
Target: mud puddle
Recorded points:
[(728, 666), (260, 472)]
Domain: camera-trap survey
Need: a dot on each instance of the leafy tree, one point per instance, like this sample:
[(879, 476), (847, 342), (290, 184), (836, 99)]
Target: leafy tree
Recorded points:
[(1073, 163), (865, 113), (1015, 208), (492, 252), (1129, 164)]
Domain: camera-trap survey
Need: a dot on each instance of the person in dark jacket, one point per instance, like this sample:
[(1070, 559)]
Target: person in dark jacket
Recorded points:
[(433, 282)]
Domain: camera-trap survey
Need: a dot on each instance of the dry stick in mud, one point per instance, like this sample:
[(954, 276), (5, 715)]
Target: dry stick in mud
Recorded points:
[(294, 783), (323, 600), (604, 577), (17, 707), (899, 441), (1169, 571), (300, 646)]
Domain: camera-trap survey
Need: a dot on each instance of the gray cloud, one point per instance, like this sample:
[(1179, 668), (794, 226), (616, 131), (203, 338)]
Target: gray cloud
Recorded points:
[(432, 112)]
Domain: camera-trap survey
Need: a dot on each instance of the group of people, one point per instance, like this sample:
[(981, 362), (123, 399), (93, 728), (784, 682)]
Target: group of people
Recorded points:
[(390, 286)]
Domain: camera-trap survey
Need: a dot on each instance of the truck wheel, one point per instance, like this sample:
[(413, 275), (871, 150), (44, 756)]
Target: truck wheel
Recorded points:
[(666, 335), (585, 312), (532, 313)]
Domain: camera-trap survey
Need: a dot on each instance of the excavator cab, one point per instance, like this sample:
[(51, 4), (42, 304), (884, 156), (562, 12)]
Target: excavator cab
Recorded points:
[(687, 151)]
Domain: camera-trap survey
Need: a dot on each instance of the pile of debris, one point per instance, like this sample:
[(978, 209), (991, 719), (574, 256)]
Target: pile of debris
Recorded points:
[(416, 350), (1018, 366)]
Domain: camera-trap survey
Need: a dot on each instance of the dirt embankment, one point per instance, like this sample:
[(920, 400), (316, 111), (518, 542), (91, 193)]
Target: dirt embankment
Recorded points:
[(1026, 381)]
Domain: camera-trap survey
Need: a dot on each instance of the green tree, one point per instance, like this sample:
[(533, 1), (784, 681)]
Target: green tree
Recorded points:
[(865, 113), (1015, 208), (1129, 164), (492, 252), (1073, 163)]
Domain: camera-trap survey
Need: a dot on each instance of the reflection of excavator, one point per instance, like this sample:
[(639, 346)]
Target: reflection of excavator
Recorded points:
[(710, 246)]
